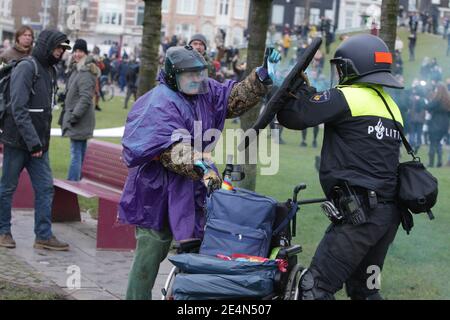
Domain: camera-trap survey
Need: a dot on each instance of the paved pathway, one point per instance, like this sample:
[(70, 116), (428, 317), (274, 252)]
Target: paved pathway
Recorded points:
[(104, 274)]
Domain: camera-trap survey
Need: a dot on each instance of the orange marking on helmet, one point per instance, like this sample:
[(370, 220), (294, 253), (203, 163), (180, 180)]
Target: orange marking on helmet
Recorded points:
[(383, 57)]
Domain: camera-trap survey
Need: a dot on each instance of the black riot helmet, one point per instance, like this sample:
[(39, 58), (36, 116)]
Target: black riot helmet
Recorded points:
[(182, 60), (364, 58)]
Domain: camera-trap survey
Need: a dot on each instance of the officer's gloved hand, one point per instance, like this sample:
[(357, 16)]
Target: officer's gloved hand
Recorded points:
[(266, 72)]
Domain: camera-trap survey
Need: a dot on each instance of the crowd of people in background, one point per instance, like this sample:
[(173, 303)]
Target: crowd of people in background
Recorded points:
[(118, 67), (425, 107)]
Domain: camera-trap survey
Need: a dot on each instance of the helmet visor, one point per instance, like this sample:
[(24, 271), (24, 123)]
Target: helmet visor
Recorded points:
[(334, 75), (193, 82)]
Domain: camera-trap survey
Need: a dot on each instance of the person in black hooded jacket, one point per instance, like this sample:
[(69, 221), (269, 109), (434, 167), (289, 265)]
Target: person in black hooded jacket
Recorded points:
[(26, 136)]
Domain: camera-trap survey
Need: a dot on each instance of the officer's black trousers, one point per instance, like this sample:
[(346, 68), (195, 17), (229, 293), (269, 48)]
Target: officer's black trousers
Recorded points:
[(347, 251)]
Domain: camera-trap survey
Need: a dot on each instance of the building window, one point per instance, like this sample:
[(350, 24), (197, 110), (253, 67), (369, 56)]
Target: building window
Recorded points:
[(184, 30), (187, 6), (314, 16), (165, 6), (140, 15), (208, 32), (238, 36), (277, 14), (349, 18), (239, 9), (299, 17), (110, 12), (329, 14), (113, 18), (209, 7), (223, 8)]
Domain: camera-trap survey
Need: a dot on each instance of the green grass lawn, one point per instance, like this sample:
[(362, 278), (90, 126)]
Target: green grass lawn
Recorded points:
[(417, 266)]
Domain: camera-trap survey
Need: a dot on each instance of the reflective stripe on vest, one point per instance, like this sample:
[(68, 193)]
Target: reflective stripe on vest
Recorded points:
[(364, 102)]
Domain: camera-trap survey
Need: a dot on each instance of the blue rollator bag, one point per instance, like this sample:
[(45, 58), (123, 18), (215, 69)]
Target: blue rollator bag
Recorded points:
[(205, 277), (238, 221)]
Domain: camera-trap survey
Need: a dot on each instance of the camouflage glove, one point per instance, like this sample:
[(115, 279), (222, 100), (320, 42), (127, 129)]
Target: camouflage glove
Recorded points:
[(210, 178)]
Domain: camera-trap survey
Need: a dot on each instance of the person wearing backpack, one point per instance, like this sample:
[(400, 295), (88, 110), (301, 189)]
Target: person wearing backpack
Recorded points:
[(26, 135), (78, 122)]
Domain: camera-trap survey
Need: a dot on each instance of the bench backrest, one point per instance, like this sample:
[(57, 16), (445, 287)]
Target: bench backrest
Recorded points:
[(103, 164)]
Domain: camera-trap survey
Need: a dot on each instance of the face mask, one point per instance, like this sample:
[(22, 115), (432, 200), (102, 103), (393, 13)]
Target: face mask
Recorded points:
[(193, 82)]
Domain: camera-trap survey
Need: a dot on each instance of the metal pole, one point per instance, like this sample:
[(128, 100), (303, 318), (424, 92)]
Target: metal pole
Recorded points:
[(45, 14)]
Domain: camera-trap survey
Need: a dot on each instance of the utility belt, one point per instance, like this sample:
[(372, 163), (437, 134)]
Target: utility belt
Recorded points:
[(352, 204)]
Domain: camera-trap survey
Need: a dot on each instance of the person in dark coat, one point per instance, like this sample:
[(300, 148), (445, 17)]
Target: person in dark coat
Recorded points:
[(439, 107), (412, 46), (26, 138), (132, 82)]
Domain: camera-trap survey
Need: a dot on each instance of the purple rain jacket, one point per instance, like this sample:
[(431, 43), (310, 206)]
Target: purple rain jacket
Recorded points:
[(154, 196)]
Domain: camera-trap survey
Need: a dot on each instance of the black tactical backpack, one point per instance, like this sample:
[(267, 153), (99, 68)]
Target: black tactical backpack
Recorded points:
[(5, 79)]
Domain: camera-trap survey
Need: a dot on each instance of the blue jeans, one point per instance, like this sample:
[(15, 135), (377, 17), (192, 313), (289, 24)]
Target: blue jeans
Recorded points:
[(14, 161), (77, 152)]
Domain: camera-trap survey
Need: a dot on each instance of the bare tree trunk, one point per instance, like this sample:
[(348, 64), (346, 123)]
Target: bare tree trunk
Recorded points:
[(388, 30), (258, 23), (150, 46)]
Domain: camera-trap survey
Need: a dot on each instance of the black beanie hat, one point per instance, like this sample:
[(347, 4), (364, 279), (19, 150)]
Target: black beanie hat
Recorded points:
[(198, 37), (80, 44)]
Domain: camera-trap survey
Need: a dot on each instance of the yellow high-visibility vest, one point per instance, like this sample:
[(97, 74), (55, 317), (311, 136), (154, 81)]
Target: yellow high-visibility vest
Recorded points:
[(365, 102)]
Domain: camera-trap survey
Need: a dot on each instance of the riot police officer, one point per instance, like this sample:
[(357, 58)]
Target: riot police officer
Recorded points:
[(358, 169)]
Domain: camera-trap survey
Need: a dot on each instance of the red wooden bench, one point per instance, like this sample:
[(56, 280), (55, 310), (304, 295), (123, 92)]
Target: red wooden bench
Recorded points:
[(103, 177), (24, 196)]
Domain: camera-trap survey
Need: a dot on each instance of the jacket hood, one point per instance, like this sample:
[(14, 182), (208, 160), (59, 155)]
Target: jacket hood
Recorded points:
[(48, 40), (91, 66)]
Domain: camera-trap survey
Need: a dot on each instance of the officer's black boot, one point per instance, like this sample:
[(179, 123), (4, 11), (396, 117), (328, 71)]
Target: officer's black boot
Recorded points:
[(312, 288), (375, 296)]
